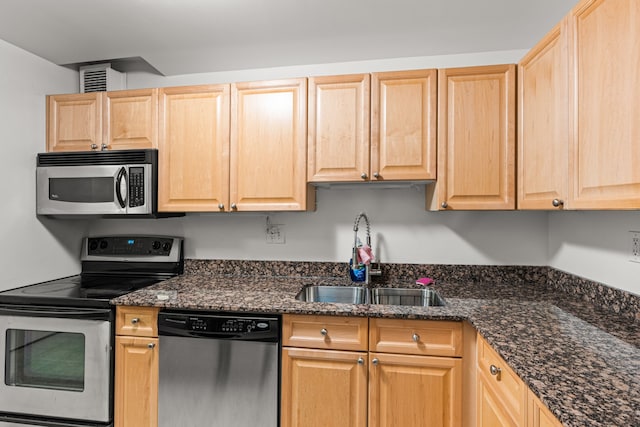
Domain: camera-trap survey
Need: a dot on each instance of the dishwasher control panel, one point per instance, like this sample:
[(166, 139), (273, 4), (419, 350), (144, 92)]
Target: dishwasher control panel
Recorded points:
[(219, 326)]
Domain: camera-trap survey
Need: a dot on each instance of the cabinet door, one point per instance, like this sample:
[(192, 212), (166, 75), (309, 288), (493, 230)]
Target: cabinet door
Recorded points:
[(543, 128), (269, 146), (74, 122), (136, 382), (491, 410), (414, 391), (604, 152), (130, 119), (323, 388), (476, 138), (338, 128), (194, 149), (539, 415), (403, 125)]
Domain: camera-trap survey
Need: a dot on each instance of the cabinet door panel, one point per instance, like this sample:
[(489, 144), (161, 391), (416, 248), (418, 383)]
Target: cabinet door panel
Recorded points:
[(268, 145), (491, 411), (323, 388), (476, 137), (403, 125), (194, 149), (606, 100), (543, 125), (74, 122), (414, 391), (338, 128), (131, 119)]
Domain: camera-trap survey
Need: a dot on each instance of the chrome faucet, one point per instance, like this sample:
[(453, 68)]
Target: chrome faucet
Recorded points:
[(369, 268)]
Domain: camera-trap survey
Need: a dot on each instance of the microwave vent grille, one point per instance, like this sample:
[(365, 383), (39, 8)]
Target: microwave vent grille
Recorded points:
[(101, 78), (120, 157)]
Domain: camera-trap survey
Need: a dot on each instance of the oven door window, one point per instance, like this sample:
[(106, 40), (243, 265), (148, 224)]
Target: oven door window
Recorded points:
[(45, 359)]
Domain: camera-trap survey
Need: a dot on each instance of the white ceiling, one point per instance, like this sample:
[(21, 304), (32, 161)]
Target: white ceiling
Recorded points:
[(192, 36)]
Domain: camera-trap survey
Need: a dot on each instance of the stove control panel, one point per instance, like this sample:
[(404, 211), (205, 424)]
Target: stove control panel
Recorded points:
[(129, 245)]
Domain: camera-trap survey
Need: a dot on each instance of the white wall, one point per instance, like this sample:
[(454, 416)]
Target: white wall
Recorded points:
[(595, 245), (32, 250)]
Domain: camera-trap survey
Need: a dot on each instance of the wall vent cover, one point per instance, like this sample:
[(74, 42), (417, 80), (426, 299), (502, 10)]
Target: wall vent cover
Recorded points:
[(100, 78)]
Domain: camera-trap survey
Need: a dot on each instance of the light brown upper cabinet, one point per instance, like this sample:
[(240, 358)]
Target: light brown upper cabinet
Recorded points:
[(268, 152), (373, 127), (476, 139), (103, 120), (403, 125), (543, 125), (339, 128), (194, 148), (604, 148)]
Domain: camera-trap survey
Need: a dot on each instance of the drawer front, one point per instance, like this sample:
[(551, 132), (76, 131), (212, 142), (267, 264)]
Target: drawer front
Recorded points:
[(325, 332), (509, 389), (423, 337), (137, 321)]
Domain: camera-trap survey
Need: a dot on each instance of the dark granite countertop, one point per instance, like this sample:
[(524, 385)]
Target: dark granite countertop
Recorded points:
[(581, 359)]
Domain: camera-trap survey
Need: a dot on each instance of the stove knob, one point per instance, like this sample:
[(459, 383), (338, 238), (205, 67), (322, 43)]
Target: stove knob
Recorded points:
[(93, 245), (103, 244), (166, 247), (155, 245)]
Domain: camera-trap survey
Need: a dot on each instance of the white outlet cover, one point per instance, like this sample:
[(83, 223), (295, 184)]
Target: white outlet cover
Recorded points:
[(634, 246)]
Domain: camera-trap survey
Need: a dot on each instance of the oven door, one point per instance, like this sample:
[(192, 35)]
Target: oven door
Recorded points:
[(57, 362), (94, 190)]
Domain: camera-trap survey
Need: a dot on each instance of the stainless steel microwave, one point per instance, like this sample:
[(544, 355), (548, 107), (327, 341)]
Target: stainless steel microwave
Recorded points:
[(106, 183)]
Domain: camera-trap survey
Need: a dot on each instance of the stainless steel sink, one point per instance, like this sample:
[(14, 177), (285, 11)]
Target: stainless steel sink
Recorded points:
[(360, 295), (334, 294), (406, 296)]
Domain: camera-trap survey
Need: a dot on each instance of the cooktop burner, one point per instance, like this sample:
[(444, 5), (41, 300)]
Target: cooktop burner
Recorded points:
[(111, 266)]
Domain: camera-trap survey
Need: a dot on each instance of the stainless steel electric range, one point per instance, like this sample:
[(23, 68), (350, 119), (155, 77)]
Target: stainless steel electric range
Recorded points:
[(56, 337)]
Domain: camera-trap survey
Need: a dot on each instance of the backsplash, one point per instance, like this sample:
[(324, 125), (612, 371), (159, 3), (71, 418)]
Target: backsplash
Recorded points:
[(543, 278)]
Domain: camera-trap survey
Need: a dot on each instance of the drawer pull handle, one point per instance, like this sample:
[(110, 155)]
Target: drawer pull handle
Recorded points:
[(151, 345), (375, 361), (135, 321), (415, 337), (494, 370), (360, 361), (323, 332)]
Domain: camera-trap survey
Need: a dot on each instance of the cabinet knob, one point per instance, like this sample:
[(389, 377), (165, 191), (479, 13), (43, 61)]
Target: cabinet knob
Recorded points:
[(94, 146), (494, 370), (363, 175), (135, 321), (360, 361), (415, 337), (376, 175), (557, 203), (234, 206), (151, 345), (323, 332), (221, 206), (444, 205), (104, 147), (375, 361)]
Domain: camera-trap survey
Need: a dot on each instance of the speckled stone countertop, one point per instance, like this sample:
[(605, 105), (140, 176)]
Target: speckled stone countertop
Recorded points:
[(578, 352)]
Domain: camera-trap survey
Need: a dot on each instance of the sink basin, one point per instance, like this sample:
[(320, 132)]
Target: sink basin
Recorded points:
[(334, 294), (406, 296)]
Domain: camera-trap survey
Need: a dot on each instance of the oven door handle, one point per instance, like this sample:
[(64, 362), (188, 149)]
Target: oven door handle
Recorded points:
[(58, 312)]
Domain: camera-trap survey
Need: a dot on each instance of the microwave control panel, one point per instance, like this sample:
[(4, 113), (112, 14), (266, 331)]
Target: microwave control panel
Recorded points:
[(136, 187)]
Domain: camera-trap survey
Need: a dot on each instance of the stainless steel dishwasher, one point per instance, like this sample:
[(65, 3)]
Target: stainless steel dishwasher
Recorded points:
[(218, 370)]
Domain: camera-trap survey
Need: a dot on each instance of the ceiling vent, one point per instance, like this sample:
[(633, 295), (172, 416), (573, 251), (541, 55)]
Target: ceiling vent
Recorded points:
[(101, 78)]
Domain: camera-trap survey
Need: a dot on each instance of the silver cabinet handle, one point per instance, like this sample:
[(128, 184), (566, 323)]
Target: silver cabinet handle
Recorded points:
[(557, 203), (234, 206), (220, 206), (323, 332), (415, 337), (376, 175), (104, 147), (94, 146), (444, 205), (363, 175), (360, 361), (375, 361), (135, 321), (151, 345), (494, 370)]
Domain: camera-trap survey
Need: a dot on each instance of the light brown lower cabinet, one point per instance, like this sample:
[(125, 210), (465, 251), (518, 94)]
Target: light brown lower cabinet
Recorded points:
[(324, 385), (136, 367)]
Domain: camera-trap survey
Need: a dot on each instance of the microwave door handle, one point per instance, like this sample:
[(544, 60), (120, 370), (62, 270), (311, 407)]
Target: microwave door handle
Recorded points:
[(122, 177)]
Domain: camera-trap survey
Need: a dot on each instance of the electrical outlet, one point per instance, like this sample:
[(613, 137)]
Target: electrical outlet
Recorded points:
[(275, 234), (635, 246)]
